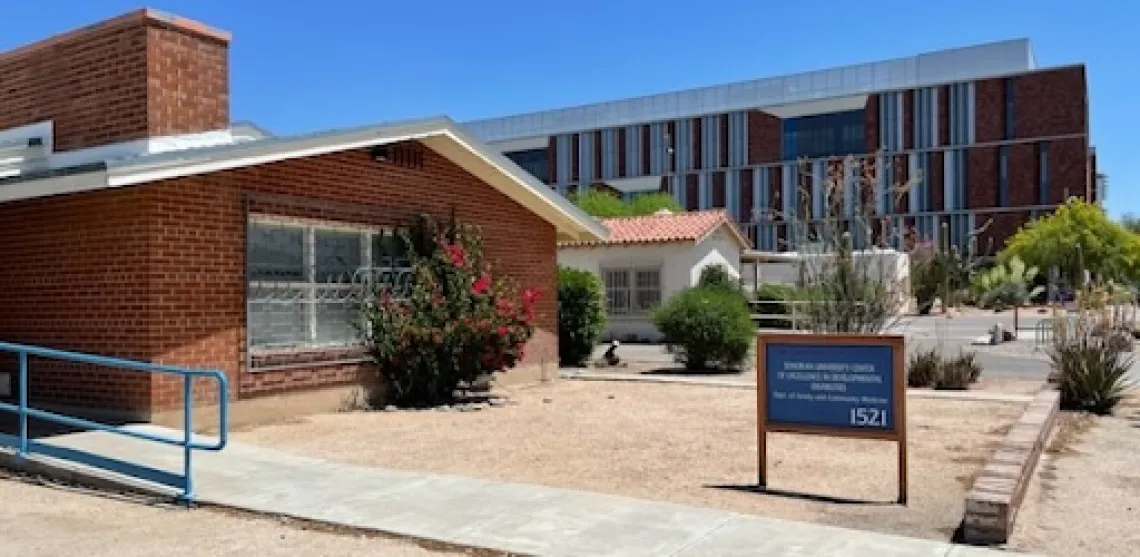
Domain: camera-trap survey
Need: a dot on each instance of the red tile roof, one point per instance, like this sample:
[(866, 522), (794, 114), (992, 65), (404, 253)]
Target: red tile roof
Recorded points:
[(665, 228)]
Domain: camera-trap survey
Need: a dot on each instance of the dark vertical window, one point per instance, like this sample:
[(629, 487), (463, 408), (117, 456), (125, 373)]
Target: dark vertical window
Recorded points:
[(1003, 176), (535, 161), (1008, 108), (1043, 172)]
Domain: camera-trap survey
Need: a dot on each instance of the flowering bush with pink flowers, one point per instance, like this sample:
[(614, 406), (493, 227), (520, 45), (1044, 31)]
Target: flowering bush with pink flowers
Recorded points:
[(458, 321)]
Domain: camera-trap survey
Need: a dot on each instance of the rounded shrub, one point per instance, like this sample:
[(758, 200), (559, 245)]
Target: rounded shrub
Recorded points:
[(717, 275), (706, 327), (581, 315), (922, 368)]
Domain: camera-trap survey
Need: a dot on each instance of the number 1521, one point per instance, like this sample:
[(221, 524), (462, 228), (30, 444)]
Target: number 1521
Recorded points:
[(868, 417)]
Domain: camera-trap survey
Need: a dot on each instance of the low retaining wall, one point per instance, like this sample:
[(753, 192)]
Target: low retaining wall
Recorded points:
[(993, 501)]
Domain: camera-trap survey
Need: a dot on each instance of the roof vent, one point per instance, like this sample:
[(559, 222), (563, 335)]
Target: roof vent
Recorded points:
[(663, 213)]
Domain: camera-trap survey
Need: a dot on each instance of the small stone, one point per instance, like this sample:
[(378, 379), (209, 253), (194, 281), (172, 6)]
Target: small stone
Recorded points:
[(498, 402), (611, 397), (480, 406), (390, 408), (547, 400)]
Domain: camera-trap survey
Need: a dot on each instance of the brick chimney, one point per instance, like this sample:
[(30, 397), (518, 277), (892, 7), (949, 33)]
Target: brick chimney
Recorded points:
[(138, 75)]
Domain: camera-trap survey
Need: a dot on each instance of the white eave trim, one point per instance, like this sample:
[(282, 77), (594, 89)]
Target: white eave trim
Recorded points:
[(54, 185), (141, 173)]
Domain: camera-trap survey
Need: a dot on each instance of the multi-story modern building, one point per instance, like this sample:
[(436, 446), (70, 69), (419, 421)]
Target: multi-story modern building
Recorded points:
[(986, 138)]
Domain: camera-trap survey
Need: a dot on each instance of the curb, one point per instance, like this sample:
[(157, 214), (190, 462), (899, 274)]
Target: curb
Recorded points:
[(996, 496)]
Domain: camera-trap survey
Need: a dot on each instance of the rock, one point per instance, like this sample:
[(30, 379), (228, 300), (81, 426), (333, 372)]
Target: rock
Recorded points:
[(611, 397), (480, 405), (547, 400), (390, 408), (443, 408), (498, 402)]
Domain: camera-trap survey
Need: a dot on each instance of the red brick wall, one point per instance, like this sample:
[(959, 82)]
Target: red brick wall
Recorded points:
[(982, 177), (74, 276), (1067, 165), (871, 123), (126, 78), (719, 190), (1052, 102), (764, 138), (157, 271), (989, 113), (1023, 176), (944, 115)]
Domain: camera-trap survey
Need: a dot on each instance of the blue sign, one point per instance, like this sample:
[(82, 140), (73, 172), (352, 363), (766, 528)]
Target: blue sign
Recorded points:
[(833, 386)]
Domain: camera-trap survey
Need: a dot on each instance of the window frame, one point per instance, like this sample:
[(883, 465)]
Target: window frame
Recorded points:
[(631, 289), (312, 290)]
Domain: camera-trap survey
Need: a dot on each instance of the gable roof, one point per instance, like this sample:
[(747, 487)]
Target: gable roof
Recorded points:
[(440, 134), (665, 227)]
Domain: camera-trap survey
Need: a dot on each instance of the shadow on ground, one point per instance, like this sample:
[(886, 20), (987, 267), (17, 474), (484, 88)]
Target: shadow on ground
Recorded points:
[(753, 488)]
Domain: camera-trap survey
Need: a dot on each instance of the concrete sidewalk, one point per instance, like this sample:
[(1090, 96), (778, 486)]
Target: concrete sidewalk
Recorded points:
[(527, 519)]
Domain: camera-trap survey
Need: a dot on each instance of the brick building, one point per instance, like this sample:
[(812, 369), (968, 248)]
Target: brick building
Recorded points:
[(139, 222), (984, 133)]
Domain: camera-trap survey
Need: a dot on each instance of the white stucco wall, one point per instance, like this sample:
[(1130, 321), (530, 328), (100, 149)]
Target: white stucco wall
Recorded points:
[(680, 265)]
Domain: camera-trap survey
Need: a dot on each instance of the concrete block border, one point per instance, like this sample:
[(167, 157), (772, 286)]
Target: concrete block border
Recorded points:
[(994, 499)]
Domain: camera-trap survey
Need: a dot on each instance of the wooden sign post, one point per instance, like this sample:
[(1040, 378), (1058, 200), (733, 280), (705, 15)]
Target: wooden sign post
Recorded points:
[(840, 385)]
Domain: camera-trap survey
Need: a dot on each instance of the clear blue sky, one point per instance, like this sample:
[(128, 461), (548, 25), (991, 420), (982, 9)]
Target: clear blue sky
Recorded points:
[(306, 65)]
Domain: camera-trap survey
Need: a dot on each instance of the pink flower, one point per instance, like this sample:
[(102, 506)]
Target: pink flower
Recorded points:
[(502, 330), (482, 284), (456, 254)]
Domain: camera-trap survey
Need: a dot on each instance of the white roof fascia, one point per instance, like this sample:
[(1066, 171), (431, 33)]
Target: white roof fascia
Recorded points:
[(176, 164), (54, 185)]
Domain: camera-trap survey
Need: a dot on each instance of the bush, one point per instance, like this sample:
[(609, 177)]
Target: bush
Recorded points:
[(773, 293), (957, 374), (717, 275), (922, 368), (929, 368), (1092, 374), (457, 323), (706, 327), (581, 315)]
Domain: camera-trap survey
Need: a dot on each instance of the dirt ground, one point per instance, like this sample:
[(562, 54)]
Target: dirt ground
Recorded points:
[(682, 443), (41, 521), (1085, 498)]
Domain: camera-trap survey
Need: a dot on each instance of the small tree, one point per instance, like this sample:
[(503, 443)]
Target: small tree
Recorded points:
[(581, 315), (458, 322), (1008, 284), (600, 204), (840, 223), (706, 327), (643, 204), (604, 204), (1076, 238)]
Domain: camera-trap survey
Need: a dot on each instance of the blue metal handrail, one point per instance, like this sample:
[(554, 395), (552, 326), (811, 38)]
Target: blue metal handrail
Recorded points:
[(187, 442)]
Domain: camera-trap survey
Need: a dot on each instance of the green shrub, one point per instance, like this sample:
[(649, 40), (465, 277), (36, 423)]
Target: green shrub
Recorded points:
[(706, 328), (459, 322), (929, 368), (1092, 374), (717, 275), (958, 373), (922, 368), (953, 375), (581, 315), (776, 297)]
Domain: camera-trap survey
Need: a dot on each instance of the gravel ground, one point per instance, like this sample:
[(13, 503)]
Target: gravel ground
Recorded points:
[(46, 521), (1085, 498), (686, 444)]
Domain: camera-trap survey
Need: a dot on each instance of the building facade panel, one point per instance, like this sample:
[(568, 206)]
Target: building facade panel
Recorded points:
[(990, 115), (1050, 103)]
